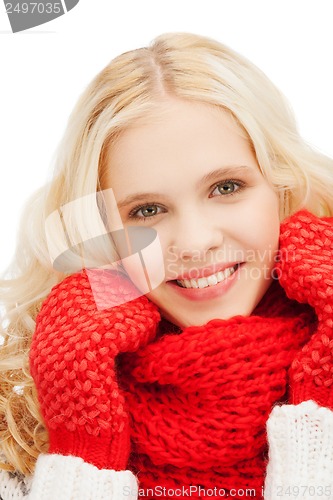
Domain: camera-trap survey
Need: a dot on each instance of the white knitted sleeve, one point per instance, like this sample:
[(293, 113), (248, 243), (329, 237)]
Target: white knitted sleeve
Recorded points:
[(13, 486), (60, 477), (300, 466)]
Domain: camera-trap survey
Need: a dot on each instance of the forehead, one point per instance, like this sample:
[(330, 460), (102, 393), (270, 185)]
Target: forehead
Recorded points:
[(178, 132)]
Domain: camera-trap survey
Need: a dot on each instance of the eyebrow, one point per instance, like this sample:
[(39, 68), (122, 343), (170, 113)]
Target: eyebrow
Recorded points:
[(210, 177)]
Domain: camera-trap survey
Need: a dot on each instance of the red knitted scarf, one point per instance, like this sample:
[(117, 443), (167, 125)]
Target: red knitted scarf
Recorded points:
[(200, 399)]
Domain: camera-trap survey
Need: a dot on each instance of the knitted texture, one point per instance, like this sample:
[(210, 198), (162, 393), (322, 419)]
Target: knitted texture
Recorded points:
[(306, 273), (62, 478), (200, 400), (14, 486), (300, 452), (59, 477), (73, 363)]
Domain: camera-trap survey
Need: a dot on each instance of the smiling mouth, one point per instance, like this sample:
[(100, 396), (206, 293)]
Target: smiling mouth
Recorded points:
[(208, 281)]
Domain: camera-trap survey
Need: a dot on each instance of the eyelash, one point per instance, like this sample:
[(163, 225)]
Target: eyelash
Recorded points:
[(240, 186)]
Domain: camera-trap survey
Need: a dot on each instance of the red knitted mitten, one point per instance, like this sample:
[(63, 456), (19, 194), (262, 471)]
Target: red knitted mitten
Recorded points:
[(306, 273), (73, 364)]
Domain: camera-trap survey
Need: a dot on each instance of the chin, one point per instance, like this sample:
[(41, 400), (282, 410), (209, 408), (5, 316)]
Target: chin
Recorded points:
[(198, 314), (198, 319)]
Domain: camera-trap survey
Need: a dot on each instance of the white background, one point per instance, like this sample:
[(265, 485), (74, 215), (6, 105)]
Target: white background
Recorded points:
[(43, 71)]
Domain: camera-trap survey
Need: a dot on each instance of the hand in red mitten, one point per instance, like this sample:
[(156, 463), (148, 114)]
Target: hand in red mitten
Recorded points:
[(73, 364), (305, 271)]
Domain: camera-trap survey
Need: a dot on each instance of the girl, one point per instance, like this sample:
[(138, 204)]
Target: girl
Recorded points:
[(213, 377)]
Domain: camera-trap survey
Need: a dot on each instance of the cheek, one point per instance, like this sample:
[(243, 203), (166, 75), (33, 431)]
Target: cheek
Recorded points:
[(254, 229), (265, 237), (260, 221)]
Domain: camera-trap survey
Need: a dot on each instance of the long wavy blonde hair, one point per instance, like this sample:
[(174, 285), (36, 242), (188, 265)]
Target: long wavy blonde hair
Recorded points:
[(125, 91)]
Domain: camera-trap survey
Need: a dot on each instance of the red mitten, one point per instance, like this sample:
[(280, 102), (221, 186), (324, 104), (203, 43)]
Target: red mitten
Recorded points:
[(305, 271), (73, 363)]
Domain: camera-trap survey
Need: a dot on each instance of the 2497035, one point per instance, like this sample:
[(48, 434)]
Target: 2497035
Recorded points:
[(304, 491), (33, 7)]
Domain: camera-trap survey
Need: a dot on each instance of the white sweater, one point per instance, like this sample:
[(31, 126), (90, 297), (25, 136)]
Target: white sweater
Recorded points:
[(300, 465)]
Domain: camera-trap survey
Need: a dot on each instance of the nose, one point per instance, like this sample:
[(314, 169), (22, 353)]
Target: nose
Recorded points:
[(195, 234)]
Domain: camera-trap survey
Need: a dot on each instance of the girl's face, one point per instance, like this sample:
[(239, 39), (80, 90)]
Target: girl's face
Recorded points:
[(192, 175)]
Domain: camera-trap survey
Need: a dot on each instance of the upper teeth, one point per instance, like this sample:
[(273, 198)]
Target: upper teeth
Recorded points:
[(211, 280)]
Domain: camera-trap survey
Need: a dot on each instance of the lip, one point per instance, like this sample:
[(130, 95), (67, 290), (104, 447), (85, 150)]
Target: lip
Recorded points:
[(205, 271), (209, 292)]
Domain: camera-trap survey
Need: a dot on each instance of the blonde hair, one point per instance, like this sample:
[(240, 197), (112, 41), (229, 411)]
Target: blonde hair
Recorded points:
[(129, 88)]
